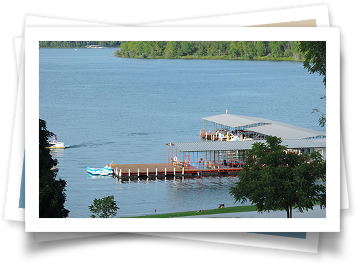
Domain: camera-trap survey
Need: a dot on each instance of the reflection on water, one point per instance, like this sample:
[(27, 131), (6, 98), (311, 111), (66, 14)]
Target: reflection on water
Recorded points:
[(90, 176), (57, 153), (141, 197)]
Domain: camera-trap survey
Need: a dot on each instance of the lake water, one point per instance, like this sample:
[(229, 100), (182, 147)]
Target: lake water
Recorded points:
[(125, 110)]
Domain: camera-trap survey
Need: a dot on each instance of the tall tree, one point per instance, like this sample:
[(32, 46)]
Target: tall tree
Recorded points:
[(51, 191), (315, 57), (275, 179), (315, 62)]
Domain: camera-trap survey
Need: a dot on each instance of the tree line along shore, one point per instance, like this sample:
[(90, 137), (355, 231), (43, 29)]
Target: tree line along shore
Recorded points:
[(221, 50), (78, 44), (216, 50)]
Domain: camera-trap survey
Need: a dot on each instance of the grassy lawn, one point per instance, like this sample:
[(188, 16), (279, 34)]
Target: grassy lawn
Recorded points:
[(234, 209)]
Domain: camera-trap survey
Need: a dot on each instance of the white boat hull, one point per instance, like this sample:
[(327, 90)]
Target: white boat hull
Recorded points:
[(53, 145), (100, 171)]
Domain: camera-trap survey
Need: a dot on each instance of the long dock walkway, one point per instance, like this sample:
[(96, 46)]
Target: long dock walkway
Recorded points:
[(165, 169)]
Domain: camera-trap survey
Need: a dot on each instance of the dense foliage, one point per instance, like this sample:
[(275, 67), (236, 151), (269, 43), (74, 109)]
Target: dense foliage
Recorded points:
[(264, 50), (275, 179), (104, 208), (51, 191), (315, 57), (315, 62), (78, 44)]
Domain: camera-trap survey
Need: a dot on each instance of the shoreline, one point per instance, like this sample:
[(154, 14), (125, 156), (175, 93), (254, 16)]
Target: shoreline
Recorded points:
[(265, 58), (200, 212), (243, 211)]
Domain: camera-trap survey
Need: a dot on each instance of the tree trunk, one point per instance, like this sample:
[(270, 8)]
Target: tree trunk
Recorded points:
[(291, 212), (287, 213)]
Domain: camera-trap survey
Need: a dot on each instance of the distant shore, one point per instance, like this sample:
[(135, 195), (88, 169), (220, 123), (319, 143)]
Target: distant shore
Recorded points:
[(223, 57), (212, 50)]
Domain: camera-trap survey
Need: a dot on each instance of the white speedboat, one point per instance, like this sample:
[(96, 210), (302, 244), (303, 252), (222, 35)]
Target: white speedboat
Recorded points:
[(54, 144)]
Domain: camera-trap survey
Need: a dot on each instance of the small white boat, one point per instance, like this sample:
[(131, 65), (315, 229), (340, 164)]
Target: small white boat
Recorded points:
[(107, 170), (54, 144)]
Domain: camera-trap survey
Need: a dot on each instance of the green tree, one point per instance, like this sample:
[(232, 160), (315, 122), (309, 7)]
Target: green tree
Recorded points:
[(315, 62), (233, 50), (51, 191), (295, 48), (276, 48), (251, 50), (187, 48), (104, 208), (170, 50), (315, 57), (260, 49), (275, 179)]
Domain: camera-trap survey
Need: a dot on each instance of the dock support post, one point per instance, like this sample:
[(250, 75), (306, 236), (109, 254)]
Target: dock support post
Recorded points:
[(138, 173), (183, 171), (174, 171), (156, 171), (129, 173), (165, 171), (147, 172), (119, 172)]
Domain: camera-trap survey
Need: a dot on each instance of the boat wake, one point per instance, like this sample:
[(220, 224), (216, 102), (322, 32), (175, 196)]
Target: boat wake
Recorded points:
[(90, 144)]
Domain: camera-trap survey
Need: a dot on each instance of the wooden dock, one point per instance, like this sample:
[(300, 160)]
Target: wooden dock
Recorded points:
[(166, 170)]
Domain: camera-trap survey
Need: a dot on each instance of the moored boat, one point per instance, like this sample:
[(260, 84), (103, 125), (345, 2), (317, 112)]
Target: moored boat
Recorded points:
[(107, 170)]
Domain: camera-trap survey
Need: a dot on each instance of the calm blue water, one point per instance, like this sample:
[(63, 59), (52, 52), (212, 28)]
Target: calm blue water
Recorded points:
[(126, 110)]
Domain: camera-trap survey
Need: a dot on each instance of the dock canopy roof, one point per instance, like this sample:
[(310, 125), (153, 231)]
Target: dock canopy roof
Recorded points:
[(235, 121), (264, 126), (245, 145)]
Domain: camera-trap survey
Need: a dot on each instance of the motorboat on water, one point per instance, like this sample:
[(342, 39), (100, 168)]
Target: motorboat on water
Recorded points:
[(54, 144), (107, 170)]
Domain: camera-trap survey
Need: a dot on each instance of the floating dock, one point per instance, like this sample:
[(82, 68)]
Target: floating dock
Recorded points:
[(224, 149), (126, 171)]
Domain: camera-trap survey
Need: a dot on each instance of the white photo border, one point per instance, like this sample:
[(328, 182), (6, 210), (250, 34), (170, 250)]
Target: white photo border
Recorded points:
[(35, 224)]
